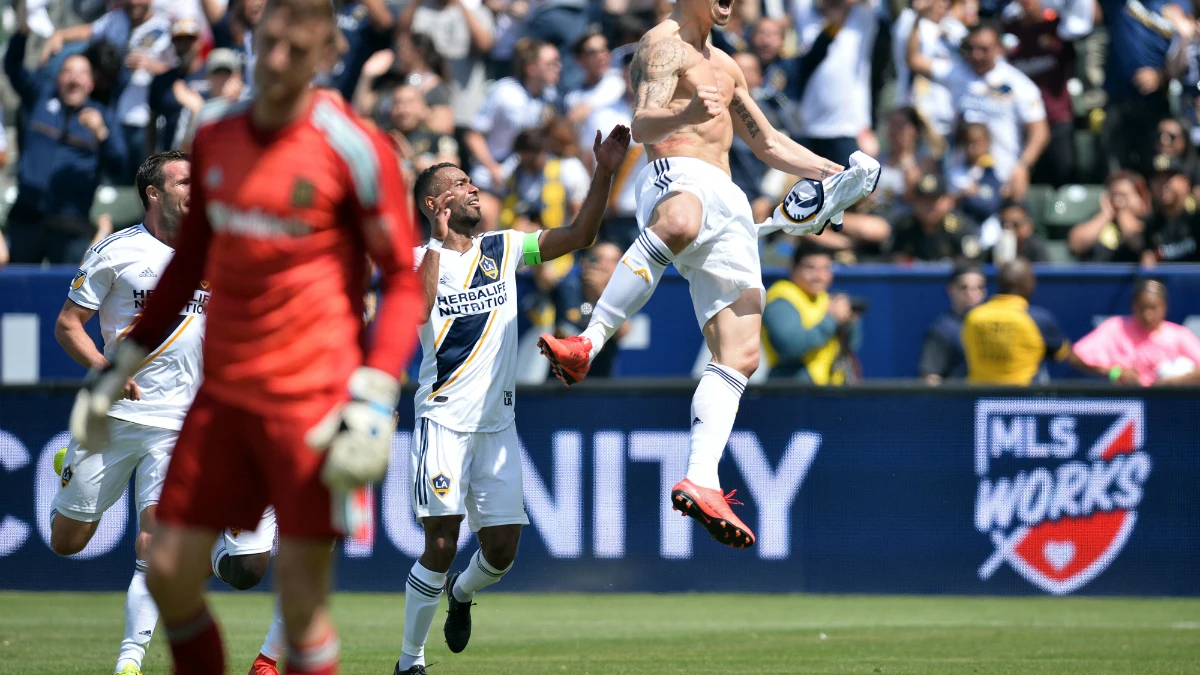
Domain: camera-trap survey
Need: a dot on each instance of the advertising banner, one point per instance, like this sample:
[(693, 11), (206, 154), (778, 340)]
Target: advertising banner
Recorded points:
[(867, 491), (901, 301)]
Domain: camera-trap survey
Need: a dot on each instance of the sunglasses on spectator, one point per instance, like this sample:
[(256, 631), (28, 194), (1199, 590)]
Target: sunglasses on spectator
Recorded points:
[(595, 51)]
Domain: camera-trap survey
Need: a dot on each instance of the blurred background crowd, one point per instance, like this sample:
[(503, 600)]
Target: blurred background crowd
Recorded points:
[(1060, 131)]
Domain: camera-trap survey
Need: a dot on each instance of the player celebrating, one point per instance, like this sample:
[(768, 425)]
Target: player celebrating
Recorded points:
[(695, 217), (292, 194), (465, 458), (116, 277)]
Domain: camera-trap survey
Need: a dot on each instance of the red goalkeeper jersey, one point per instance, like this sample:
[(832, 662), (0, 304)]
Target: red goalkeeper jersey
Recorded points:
[(280, 227)]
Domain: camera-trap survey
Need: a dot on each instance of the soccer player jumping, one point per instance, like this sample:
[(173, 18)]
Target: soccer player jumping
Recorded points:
[(691, 99), (291, 194), (465, 456)]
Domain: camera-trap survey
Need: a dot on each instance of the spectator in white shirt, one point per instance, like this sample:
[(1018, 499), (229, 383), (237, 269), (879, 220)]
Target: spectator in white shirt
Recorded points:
[(940, 35), (987, 89), (602, 86), (513, 105), (836, 107), (464, 35)]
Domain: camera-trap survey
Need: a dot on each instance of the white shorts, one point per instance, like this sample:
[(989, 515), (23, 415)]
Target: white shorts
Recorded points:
[(722, 262), (93, 481), (477, 474), (260, 540)]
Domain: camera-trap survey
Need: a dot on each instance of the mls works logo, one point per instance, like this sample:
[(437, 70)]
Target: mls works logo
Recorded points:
[(1059, 485)]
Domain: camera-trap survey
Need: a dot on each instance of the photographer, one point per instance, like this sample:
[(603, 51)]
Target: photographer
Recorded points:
[(808, 334)]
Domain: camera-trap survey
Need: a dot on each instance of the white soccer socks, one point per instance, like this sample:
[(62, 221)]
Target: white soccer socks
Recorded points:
[(479, 575), (141, 615), (811, 205), (631, 285), (714, 407), (275, 643), (421, 594)]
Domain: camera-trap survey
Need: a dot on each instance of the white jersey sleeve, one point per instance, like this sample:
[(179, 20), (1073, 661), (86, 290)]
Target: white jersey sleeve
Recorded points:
[(93, 281)]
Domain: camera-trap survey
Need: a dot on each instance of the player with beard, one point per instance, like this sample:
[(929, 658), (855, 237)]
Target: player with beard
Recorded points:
[(465, 455), (690, 100), (293, 193)]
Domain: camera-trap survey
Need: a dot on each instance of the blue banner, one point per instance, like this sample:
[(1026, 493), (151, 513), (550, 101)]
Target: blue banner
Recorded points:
[(902, 303), (853, 491)]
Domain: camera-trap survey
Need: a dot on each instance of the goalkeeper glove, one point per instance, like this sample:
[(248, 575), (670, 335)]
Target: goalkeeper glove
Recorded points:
[(357, 435), (89, 415), (811, 205)]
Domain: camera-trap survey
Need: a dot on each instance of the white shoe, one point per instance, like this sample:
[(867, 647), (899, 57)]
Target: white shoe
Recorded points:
[(811, 205)]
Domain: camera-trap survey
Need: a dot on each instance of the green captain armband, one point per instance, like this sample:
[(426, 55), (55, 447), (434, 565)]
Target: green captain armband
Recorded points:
[(533, 254)]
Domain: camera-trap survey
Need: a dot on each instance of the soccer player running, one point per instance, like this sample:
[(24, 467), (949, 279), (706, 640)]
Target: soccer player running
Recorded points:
[(691, 98), (292, 194), (114, 281), (465, 457)]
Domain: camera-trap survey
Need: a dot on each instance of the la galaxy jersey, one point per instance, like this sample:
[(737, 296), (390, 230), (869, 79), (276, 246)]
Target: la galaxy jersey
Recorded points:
[(468, 368), (118, 275)]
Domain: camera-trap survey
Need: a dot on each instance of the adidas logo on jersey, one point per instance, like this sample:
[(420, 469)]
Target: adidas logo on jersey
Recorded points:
[(148, 274)]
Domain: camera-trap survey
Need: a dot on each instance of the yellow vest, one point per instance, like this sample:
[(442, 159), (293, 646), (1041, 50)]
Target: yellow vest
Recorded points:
[(818, 362), (553, 201)]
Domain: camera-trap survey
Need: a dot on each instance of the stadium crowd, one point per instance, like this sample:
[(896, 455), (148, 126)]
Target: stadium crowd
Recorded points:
[(1049, 130)]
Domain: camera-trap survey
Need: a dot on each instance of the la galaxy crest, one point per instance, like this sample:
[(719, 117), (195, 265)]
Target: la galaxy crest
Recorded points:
[(488, 267), (441, 484), (78, 280)]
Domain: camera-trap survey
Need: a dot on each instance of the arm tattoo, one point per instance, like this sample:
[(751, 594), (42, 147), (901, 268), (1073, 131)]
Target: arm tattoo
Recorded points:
[(655, 72), (826, 170), (744, 114)]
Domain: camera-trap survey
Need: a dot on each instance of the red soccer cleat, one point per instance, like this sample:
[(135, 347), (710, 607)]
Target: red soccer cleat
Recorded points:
[(263, 666), (710, 508), (570, 358)]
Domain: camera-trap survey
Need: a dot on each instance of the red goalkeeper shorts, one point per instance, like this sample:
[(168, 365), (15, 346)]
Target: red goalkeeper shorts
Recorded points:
[(230, 463)]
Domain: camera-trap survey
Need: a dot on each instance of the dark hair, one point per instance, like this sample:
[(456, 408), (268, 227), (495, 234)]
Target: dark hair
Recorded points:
[(300, 10), (423, 185), (423, 45), (1149, 285), (577, 48), (960, 134), (982, 26), (106, 62), (806, 248), (1015, 204), (152, 172), (963, 269), (530, 140)]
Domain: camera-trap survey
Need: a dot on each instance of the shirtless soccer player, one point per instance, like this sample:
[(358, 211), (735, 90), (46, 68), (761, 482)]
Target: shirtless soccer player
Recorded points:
[(691, 98), (465, 460), (292, 193)]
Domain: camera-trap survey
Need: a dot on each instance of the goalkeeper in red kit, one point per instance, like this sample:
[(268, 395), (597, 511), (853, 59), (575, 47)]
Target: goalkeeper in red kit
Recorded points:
[(291, 193)]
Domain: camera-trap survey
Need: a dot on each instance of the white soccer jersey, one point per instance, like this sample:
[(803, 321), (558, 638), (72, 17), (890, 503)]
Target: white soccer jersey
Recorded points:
[(1004, 99), (468, 367), (117, 276)]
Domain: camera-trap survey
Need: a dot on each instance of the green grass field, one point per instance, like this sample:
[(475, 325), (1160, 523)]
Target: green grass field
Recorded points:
[(62, 634)]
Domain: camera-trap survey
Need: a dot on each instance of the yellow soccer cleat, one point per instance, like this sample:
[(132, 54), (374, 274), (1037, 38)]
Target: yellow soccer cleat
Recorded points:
[(58, 464), (129, 668)]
